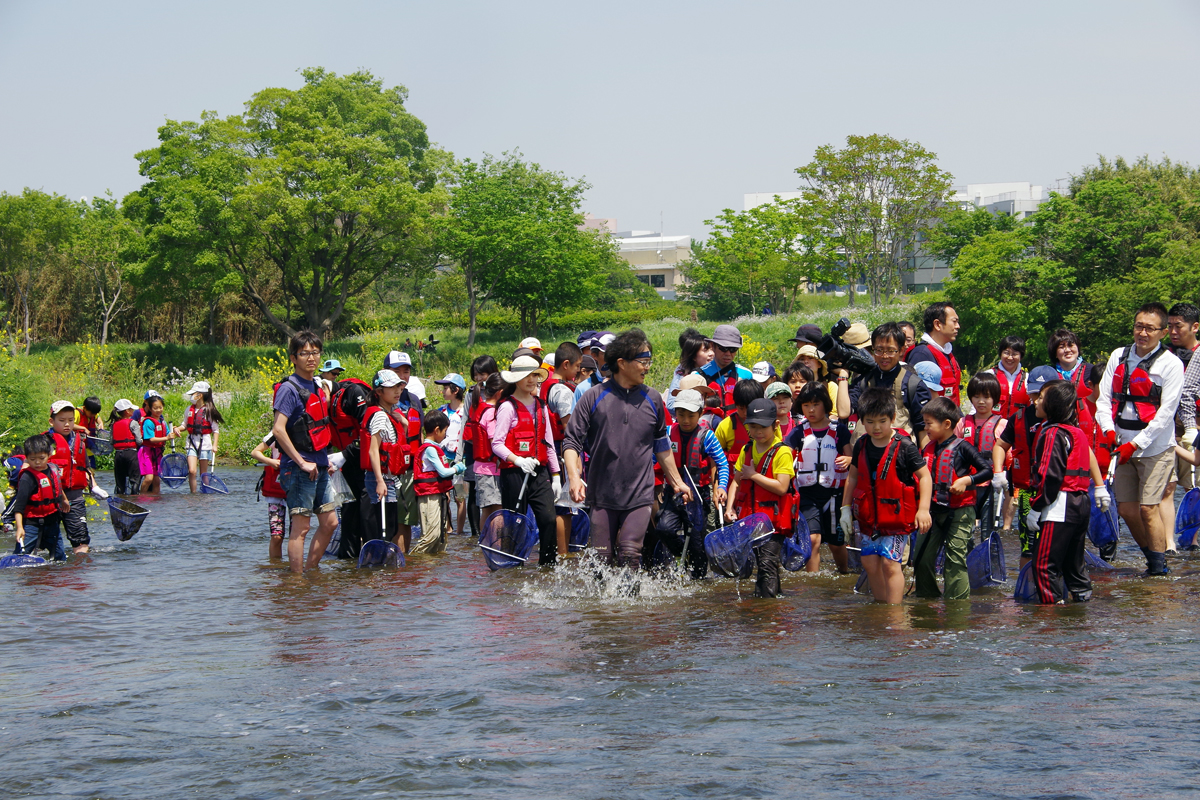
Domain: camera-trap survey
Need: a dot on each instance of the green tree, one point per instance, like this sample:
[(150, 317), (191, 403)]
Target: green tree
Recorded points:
[(101, 248), (875, 198), (36, 231), (958, 227), (326, 187)]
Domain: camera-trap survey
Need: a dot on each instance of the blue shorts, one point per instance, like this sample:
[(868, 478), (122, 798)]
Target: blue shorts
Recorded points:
[(889, 547), (306, 497)]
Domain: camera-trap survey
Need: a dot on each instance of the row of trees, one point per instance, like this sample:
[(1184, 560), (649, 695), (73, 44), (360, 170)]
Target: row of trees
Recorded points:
[(307, 208), (862, 208)]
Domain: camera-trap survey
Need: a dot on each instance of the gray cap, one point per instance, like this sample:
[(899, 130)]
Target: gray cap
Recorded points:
[(726, 336), (689, 400)]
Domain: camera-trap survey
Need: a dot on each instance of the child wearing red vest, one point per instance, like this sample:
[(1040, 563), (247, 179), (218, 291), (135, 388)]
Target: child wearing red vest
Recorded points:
[(385, 451), (1063, 465), (433, 480), (982, 429), (1017, 439), (731, 431), (70, 456), (958, 468), (126, 439), (889, 489), (762, 484), (276, 496), (40, 501), (558, 393)]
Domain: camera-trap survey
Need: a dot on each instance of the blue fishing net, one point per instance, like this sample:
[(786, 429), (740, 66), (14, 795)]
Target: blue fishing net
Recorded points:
[(1095, 563), (985, 563), (854, 540), (101, 443), (380, 553), (1026, 591), (126, 517), (507, 539), (211, 484), (660, 556), (797, 548), (731, 549), (863, 584), (695, 513), (581, 531), (1102, 526), (173, 469), (18, 560), (1187, 518)]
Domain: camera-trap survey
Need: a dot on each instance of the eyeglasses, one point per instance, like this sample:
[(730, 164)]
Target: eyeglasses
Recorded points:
[(885, 353), (308, 354), (1147, 328), (724, 349), (641, 362)]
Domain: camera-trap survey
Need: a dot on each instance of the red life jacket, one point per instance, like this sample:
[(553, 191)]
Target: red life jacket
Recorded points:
[(160, 430), (1076, 477), (344, 430), (310, 433), (197, 421), (395, 458), (527, 437), (724, 390), (122, 435), (740, 438), (944, 475), (426, 483), (1011, 396), (1083, 410), (71, 460), (658, 473), (753, 499), (983, 437), (696, 460), (882, 502), (951, 373), (1137, 388), (44, 501), (1021, 452), (270, 485), (1101, 443), (483, 443), (557, 430)]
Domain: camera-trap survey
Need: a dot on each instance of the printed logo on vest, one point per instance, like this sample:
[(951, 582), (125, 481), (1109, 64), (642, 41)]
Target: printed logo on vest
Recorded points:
[(523, 447)]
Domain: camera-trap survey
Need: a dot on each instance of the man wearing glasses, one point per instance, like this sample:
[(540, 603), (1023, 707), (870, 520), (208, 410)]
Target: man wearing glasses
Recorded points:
[(911, 393), (302, 433), (1139, 395), (723, 372)]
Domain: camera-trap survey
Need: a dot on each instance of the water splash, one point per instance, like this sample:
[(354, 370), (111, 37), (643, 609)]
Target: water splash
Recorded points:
[(589, 580)]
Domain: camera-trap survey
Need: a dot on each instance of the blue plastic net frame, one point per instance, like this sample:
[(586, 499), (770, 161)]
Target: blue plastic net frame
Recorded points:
[(126, 517), (506, 540), (211, 484), (1187, 518), (380, 553)]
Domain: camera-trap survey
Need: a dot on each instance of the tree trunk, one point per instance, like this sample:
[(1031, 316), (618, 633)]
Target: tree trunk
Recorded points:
[(472, 308)]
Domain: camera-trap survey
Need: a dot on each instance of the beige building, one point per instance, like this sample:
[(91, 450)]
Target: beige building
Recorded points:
[(654, 257)]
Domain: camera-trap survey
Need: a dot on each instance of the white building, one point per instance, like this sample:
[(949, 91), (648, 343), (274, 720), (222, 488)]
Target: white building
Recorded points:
[(655, 258)]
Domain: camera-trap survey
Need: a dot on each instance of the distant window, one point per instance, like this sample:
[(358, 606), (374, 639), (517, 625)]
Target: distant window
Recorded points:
[(658, 281), (644, 278)]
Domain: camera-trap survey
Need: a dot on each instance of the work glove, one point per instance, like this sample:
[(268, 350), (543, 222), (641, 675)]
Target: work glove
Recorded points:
[(1000, 480), (1125, 452), (556, 486), (1033, 521), (847, 520), (528, 465), (337, 460), (1103, 501), (98, 492)]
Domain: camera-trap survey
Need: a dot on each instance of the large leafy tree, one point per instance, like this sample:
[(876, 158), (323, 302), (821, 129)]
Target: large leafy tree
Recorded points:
[(876, 198), (514, 230), (36, 232), (323, 188), (101, 250)]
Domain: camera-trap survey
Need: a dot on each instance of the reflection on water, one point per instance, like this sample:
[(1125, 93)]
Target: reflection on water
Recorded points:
[(182, 663)]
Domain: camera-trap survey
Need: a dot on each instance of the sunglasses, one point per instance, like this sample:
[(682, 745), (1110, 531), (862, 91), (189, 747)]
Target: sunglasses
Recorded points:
[(724, 349)]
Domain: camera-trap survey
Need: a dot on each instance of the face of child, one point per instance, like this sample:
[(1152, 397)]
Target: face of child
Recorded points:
[(762, 435), (390, 395), (1039, 405), (529, 384), (568, 371), (741, 411), (37, 461), (938, 430), (156, 409), (688, 420), (878, 428), (448, 394), (585, 373), (437, 435), (197, 398), (811, 363), (705, 355), (796, 383), (984, 404), (62, 421), (1010, 359), (814, 412), (783, 405)]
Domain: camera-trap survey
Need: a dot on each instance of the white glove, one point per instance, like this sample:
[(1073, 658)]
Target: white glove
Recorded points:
[(98, 492), (556, 487), (1103, 501), (1000, 480), (527, 465), (1033, 520), (337, 460), (847, 520)]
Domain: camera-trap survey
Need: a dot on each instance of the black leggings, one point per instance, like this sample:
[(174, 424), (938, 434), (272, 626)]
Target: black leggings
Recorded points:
[(126, 472), (538, 497)]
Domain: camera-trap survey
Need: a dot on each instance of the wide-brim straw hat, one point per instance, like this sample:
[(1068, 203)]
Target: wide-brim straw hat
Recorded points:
[(522, 367), (809, 350)]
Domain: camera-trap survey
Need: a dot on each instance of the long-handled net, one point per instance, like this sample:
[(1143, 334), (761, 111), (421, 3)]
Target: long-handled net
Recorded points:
[(731, 549), (126, 517)]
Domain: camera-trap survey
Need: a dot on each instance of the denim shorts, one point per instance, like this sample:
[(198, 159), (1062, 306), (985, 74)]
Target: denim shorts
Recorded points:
[(202, 455), (889, 547), (306, 497)]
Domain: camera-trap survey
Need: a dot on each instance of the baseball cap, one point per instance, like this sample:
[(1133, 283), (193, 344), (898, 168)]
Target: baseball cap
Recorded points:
[(123, 405), (1038, 377), (396, 359), (587, 362), (778, 388), (586, 337), (689, 400), (151, 393), (59, 405), (726, 336), (761, 411), (763, 372), (332, 365), (931, 373), (604, 340), (808, 334), (198, 386), (533, 343), (385, 378), (453, 379)]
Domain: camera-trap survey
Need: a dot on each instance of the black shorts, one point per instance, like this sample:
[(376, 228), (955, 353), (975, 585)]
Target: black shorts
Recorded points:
[(823, 520), (75, 520)]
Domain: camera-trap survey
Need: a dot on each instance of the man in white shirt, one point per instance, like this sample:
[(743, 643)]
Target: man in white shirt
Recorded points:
[(1139, 395)]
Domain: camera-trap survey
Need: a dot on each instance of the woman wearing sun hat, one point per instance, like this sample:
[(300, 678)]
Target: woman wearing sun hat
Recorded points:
[(524, 447)]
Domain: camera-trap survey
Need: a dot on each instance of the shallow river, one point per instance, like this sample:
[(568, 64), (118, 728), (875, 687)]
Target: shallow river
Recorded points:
[(182, 663)]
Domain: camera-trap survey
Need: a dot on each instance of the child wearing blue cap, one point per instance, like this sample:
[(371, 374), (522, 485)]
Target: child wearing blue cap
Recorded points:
[(454, 391)]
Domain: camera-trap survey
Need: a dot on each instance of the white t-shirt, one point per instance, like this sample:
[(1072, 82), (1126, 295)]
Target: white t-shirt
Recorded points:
[(1159, 435), (561, 400)]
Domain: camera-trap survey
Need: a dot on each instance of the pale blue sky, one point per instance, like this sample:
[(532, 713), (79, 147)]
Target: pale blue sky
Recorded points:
[(671, 108)]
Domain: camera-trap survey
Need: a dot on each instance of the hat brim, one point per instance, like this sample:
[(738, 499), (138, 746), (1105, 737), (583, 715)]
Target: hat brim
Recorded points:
[(705, 390), (687, 407), (517, 377), (726, 343), (764, 420)]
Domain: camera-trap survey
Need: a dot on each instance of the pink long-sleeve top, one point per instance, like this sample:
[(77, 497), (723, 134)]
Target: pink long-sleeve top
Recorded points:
[(506, 418)]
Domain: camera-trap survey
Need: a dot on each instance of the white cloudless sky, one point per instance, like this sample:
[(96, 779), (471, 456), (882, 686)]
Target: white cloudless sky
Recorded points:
[(671, 109)]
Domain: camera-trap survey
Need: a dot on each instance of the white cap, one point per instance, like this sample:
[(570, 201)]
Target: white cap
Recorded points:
[(123, 405), (761, 372), (59, 405), (689, 400), (397, 359), (385, 378), (198, 386), (548, 360), (532, 342)]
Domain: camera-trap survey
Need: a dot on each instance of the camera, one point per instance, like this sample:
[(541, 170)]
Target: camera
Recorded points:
[(838, 355)]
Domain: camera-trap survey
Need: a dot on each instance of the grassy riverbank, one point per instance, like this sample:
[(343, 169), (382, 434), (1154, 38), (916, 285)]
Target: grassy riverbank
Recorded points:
[(242, 376)]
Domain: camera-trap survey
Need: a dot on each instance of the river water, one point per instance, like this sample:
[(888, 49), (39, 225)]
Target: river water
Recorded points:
[(182, 663)]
